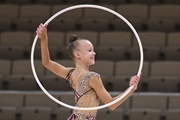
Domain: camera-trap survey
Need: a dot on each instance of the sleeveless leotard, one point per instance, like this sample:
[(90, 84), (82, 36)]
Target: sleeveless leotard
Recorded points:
[(85, 96)]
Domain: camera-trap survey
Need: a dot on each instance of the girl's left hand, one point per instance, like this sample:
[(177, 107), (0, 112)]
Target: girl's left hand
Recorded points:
[(134, 81)]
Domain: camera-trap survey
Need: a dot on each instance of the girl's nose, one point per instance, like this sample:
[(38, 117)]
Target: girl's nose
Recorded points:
[(94, 53)]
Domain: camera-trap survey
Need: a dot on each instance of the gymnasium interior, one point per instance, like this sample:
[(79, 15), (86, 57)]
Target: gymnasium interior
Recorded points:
[(157, 23)]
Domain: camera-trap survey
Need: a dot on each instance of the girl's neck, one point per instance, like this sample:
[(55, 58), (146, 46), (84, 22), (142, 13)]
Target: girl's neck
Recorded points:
[(81, 67)]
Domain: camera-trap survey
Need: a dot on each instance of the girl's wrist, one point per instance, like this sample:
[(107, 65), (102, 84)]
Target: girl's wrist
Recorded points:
[(44, 39)]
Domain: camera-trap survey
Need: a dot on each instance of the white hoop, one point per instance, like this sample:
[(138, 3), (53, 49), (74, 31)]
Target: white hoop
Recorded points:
[(87, 6)]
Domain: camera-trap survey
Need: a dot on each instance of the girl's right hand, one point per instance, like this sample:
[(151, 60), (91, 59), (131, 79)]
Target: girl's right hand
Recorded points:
[(42, 31)]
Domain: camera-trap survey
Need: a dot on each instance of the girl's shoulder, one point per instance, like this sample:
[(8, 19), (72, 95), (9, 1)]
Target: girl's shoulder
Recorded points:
[(89, 74)]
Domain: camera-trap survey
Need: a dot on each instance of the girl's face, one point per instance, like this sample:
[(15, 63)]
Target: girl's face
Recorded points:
[(86, 52)]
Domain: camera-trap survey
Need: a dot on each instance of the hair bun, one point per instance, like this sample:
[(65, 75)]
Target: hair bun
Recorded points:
[(73, 38)]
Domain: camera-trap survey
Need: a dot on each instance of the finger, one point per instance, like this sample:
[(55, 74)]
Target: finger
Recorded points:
[(135, 80), (41, 24), (137, 77), (37, 31), (45, 25), (41, 27)]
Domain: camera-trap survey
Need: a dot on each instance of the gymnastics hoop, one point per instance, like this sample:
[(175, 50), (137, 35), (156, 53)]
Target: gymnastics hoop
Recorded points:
[(97, 7)]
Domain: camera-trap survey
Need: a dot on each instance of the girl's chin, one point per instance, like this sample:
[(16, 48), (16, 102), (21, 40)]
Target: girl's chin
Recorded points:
[(92, 63)]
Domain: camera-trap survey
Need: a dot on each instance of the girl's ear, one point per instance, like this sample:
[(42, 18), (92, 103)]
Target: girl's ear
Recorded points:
[(77, 55)]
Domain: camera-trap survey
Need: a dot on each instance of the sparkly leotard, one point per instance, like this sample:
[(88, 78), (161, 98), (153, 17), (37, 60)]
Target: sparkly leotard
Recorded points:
[(85, 96)]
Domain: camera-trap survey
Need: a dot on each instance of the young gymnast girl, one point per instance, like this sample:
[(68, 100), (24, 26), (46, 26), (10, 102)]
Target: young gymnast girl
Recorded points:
[(87, 85)]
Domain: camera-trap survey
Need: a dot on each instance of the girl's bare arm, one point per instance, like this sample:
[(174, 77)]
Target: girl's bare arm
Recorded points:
[(55, 67), (105, 97)]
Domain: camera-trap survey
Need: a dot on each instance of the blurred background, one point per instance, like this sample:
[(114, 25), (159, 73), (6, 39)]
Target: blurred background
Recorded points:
[(117, 57)]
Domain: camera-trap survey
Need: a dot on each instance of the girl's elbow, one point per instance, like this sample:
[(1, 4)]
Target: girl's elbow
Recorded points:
[(45, 63), (112, 108)]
